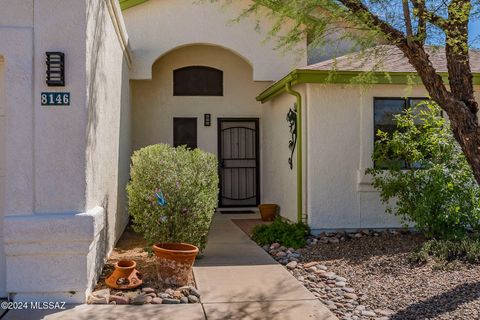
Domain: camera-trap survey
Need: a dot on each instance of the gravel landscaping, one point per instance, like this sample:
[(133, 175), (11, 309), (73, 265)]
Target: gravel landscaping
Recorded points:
[(368, 275)]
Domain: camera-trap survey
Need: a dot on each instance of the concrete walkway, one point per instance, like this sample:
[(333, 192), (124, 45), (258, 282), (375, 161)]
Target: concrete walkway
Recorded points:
[(236, 278), (239, 280)]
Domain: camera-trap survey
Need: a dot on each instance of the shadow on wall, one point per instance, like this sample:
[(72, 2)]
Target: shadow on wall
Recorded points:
[(108, 133), (97, 77), (124, 153)]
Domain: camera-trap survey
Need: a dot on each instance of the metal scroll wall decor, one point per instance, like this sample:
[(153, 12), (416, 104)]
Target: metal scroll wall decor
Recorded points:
[(292, 123)]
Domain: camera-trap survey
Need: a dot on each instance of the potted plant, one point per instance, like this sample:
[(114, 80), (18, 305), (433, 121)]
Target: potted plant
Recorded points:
[(172, 196), (268, 211)]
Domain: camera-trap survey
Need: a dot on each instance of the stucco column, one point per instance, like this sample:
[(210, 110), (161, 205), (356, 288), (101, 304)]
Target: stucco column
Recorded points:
[(50, 242)]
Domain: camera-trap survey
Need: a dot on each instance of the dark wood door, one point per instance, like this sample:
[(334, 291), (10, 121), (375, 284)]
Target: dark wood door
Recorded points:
[(238, 153)]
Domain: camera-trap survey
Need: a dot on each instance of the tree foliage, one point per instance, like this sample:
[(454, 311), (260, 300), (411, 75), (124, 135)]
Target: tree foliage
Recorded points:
[(439, 193), (407, 24)]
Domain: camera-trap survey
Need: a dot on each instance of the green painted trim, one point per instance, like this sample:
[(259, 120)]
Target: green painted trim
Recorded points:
[(299, 76), (298, 96), (125, 4)]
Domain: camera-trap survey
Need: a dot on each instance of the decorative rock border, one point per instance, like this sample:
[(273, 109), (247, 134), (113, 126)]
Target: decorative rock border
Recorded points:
[(147, 295), (328, 287), (341, 236)]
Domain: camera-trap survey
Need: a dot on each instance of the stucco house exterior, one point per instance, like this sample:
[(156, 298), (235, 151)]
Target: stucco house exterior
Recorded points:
[(138, 72)]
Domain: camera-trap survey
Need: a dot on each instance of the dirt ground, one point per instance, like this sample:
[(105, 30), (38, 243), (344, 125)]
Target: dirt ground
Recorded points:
[(380, 268), (132, 246)]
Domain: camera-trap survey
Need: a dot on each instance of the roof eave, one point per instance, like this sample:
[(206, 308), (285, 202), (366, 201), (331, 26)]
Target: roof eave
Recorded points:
[(125, 4), (299, 76)]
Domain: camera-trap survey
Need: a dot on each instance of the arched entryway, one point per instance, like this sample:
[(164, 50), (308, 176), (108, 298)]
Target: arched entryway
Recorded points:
[(195, 91)]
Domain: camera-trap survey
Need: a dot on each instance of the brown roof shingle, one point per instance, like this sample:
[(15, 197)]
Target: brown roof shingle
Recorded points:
[(387, 58)]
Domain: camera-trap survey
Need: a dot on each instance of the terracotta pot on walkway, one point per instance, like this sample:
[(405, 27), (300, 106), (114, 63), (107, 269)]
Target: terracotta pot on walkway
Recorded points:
[(125, 276), (174, 262), (268, 211)]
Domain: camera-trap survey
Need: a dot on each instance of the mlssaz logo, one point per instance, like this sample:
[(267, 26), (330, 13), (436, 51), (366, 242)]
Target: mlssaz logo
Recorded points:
[(47, 305)]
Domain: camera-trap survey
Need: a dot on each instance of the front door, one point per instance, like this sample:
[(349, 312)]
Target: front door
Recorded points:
[(238, 153)]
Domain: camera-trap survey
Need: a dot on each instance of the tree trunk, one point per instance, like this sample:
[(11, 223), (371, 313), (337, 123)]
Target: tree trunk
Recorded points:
[(467, 132), (459, 102)]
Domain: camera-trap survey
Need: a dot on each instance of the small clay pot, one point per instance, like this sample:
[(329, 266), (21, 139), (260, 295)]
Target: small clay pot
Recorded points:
[(268, 212), (174, 262), (125, 276)]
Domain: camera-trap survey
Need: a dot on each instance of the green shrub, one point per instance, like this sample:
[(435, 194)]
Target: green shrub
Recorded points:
[(281, 231), (438, 193), (173, 194), (467, 249)]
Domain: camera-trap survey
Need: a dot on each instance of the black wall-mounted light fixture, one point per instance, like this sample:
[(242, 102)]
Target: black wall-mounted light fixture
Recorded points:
[(207, 119), (55, 69)]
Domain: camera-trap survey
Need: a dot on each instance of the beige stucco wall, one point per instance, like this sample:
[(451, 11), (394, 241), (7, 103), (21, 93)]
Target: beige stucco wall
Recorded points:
[(50, 224), (2, 180), (16, 46), (16, 154), (158, 26), (154, 105), (108, 102), (60, 180), (338, 143), (279, 182)]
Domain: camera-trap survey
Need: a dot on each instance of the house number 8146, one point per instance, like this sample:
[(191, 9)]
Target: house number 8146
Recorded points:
[(55, 98)]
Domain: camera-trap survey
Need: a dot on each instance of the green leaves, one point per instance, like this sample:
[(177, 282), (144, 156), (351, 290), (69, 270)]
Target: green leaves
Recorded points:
[(438, 193), (467, 249), (187, 179), (281, 231)]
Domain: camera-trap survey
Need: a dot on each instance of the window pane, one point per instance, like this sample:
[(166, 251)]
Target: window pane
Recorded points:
[(185, 132), (416, 101), (420, 104), (384, 111), (197, 81)]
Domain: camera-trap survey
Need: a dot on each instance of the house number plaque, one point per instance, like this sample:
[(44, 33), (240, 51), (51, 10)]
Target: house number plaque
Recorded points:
[(55, 98)]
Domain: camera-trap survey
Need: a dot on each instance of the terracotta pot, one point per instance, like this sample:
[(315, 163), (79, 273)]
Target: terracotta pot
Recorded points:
[(174, 262), (125, 276), (268, 211)]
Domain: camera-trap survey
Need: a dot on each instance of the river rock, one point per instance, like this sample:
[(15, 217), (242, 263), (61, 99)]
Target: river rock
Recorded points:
[(148, 290), (120, 299), (170, 301), (194, 292), (157, 301), (99, 297), (142, 299)]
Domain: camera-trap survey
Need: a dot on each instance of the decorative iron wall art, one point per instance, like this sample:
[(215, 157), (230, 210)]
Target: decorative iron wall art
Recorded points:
[(292, 123)]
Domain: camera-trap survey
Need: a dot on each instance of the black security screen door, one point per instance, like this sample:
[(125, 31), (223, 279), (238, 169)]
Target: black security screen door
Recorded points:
[(239, 162)]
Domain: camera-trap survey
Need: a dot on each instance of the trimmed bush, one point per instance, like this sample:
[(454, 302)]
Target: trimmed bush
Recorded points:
[(173, 194), (467, 249), (281, 231), (438, 192)]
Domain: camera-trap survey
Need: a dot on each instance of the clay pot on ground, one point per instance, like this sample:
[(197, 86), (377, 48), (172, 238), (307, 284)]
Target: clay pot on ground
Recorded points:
[(268, 211), (125, 276), (174, 262)]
